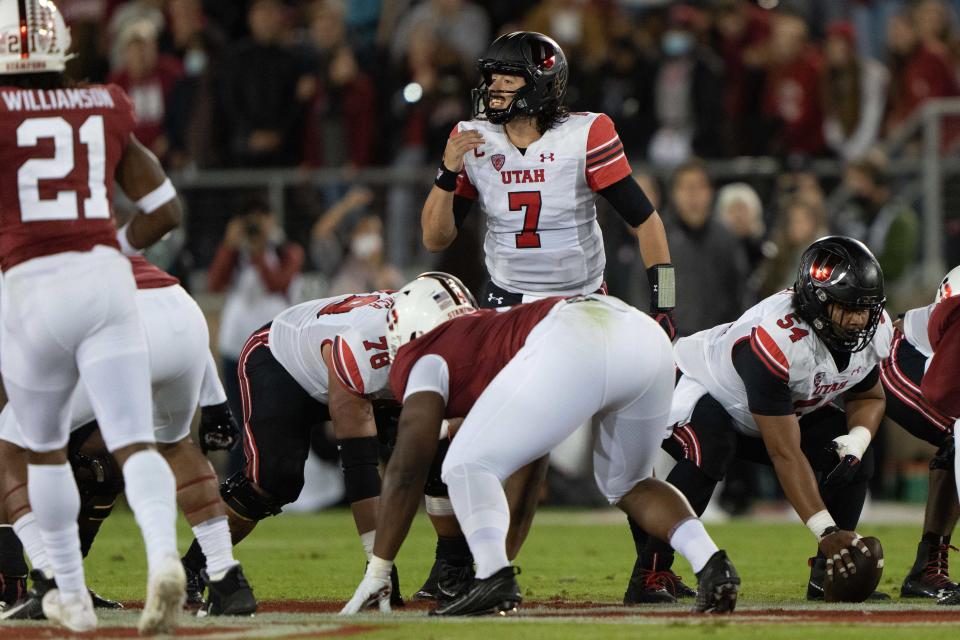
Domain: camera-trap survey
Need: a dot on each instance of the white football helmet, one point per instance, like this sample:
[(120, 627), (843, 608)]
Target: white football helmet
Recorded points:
[(35, 41), (949, 286), (426, 303)]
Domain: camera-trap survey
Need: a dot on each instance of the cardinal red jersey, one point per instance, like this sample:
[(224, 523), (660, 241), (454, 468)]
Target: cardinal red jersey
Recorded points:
[(59, 149), (941, 382), (150, 276), (475, 347)]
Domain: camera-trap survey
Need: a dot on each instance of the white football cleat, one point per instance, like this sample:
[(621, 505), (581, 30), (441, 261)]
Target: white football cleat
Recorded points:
[(166, 593), (75, 612)]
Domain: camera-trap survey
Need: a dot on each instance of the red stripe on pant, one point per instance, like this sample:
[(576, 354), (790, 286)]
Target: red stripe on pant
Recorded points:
[(688, 440), (256, 341), (896, 381)]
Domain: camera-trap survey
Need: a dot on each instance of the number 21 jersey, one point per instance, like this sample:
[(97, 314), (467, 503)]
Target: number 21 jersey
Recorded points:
[(59, 149)]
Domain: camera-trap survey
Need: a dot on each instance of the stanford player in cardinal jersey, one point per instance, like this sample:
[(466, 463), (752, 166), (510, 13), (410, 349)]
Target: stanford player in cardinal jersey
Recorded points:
[(69, 309), (920, 379), (182, 374), (528, 377)]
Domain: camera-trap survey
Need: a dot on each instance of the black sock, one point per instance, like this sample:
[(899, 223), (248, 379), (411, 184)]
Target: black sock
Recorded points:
[(193, 559), (694, 484), (640, 536), (657, 555), (11, 553), (845, 504), (454, 550)]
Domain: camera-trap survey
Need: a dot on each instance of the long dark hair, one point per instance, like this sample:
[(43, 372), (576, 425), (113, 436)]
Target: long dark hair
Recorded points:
[(550, 118)]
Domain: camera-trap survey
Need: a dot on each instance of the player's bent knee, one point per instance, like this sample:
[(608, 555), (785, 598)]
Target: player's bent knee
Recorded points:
[(246, 500), (359, 459)]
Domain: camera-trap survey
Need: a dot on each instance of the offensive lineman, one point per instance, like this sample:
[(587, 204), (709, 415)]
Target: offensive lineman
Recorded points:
[(536, 170), (528, 377), (68, 310), (759, 389)]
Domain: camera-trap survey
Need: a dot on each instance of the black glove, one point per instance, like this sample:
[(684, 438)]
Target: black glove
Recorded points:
[(842, 474), (218, 428)]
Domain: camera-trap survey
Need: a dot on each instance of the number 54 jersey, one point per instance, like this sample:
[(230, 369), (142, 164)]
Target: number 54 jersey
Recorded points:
[(788, 348), (542, 233), (59, 153), (354, 327)]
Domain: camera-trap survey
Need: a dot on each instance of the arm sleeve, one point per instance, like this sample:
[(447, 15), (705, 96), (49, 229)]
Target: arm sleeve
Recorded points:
[(629, 200), (606, 161), (867, 383), (461, 208), (211, 389), (430, 373), (767, 394)]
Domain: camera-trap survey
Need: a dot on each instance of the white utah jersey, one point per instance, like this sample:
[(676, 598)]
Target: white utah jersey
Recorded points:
[(353, 325), (542, 233), (788, 347)]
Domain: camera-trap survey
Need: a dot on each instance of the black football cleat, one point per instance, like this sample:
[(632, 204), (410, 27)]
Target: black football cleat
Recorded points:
[(12, 588), (498, 594), (195, 588), (930, 576), (396, 598), (231, 595), (99, 602), (30, 607), (650, 584), (818, 571), (446, 581), (717, 585)]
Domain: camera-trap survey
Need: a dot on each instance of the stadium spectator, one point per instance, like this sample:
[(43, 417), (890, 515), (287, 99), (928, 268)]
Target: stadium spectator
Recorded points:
[(460, 25), (890, 227), (342, 121), (195, 134), (854, 91), (920, 71), (259, 97), (256, 267), (123, 15), (365, 267), (687, 87), (743, 30), (707, 258), (800, 223), (329, 236), (148, 77), (739, 210), (792, 100), (578, 27)]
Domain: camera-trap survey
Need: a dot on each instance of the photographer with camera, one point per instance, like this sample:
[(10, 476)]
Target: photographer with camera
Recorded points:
[(255, 266)]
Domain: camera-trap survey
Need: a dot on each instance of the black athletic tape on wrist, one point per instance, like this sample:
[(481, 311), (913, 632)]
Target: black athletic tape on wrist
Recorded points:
[(663, 287), (446, 179)]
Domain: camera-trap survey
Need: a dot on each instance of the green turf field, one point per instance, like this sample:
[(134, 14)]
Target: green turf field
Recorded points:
[(570, 555)]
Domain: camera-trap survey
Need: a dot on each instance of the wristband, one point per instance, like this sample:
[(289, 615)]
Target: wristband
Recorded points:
[(379, 568), (126, 248), (157, 198), (819, 523), (446, 179), (663, 287)]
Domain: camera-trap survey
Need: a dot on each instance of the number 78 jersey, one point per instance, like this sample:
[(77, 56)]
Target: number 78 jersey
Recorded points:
[(354, 326), (59, 149), (788, 348), (542, 233)]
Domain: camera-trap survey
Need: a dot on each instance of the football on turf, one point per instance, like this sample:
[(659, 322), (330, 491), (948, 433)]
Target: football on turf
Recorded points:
[(858, 586)]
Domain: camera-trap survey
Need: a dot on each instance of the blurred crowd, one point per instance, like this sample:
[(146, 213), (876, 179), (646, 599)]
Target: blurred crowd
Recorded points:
[(247, 83)]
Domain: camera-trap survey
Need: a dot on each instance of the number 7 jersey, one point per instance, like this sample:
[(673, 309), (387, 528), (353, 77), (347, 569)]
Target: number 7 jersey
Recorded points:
[(59, 149), (354, 326), (542, 234)]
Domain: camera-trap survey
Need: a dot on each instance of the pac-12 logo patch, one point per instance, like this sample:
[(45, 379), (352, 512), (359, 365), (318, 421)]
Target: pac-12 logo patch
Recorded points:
[(497, 160)]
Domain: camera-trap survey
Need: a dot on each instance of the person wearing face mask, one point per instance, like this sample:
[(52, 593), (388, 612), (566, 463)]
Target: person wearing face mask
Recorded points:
[(365, 268), (686, 85), (255, 266)]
